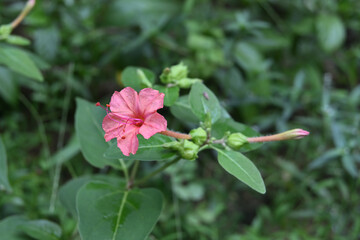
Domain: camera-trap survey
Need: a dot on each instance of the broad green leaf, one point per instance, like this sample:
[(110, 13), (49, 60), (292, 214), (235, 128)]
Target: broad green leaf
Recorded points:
[(8, 89), (223, 125), (10, 228), (109, 212), (68, 192), (41, 229), (18, 61), (4, 182), (171, 94), (149, 149), (242, 168), (88, 127), (330, 32), (131, 77), (181, 110), (203, 101)]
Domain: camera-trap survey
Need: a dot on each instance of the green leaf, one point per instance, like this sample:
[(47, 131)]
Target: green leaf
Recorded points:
[(219, 128), (130, 77), (242, 168), (330, 32), (171, 94), (4, 182), (109, 212), (181, 110), (42, 229), (203, 101), (88, 127), (18, 61), (249, 57), (9, 88), (17, 40), (10, 228), (149, 149), (68, 192)]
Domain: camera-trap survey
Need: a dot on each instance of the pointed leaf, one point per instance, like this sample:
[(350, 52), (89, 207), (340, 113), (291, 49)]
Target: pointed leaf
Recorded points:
[(171, 94), (203, 101), (242, 168), (181, 110), (18, 61), (109, 212), (10, 228), (131, 78)]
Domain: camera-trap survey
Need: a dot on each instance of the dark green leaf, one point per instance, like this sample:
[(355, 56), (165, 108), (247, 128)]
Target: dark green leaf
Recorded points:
[(68, 192), (149, 149), (18, 61), (171, 94), (223, 125), (88, 126), (4, 182), (330, 32), (182, 110), (203, 101), (130, 77), (109, 212), (242, 168), (42, 229), (10, 228)]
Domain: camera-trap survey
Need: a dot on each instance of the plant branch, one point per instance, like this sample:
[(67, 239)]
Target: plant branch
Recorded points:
[(29, 5)]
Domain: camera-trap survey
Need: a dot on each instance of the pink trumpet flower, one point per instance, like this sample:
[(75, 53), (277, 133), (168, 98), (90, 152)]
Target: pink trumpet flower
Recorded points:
[(291, 134), (132, 113)]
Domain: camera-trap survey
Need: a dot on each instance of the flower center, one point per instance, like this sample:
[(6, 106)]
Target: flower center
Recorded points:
[(123, 121)]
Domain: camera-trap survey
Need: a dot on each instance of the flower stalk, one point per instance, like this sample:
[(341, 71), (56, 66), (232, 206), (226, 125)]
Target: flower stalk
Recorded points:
[(29, 5)]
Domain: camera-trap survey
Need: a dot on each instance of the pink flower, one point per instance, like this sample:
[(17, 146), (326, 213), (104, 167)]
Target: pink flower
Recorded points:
[(132, 113)]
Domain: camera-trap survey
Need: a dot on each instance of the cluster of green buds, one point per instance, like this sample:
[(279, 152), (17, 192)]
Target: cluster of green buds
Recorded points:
[(187, 149), (177, 75)]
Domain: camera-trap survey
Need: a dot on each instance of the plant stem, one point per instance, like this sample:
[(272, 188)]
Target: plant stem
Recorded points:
[(176, 134), (147, 177), (61, 137), (133, 173), (124, 168), (29, 5)]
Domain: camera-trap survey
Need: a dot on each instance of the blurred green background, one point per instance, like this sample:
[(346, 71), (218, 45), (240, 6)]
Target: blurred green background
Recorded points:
[(275, 65)]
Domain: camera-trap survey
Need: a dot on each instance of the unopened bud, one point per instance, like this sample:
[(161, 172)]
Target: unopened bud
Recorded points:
[(288, 135), (236, 140), (189, 150), (198, 136), (174, 73)]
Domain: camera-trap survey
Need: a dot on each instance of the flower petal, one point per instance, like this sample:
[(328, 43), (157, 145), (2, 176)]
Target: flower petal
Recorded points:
[(113, 126), (128, 142), (150, 100), (153, 123), (125, 102)]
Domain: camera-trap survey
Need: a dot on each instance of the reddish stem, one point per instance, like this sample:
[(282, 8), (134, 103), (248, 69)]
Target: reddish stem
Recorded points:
[(176, 134)]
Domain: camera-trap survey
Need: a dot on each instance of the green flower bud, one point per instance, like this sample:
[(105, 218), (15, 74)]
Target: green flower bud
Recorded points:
[(174, 74), (189, 150), (175, 145), (5, 31), (236, 141), (187, 82), (198, 136)]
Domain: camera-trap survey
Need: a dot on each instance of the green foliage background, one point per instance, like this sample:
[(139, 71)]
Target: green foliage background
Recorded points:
[(275, 65)]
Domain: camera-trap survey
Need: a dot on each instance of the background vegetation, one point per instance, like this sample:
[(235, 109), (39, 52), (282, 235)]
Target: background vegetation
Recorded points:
[(274, 64)]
